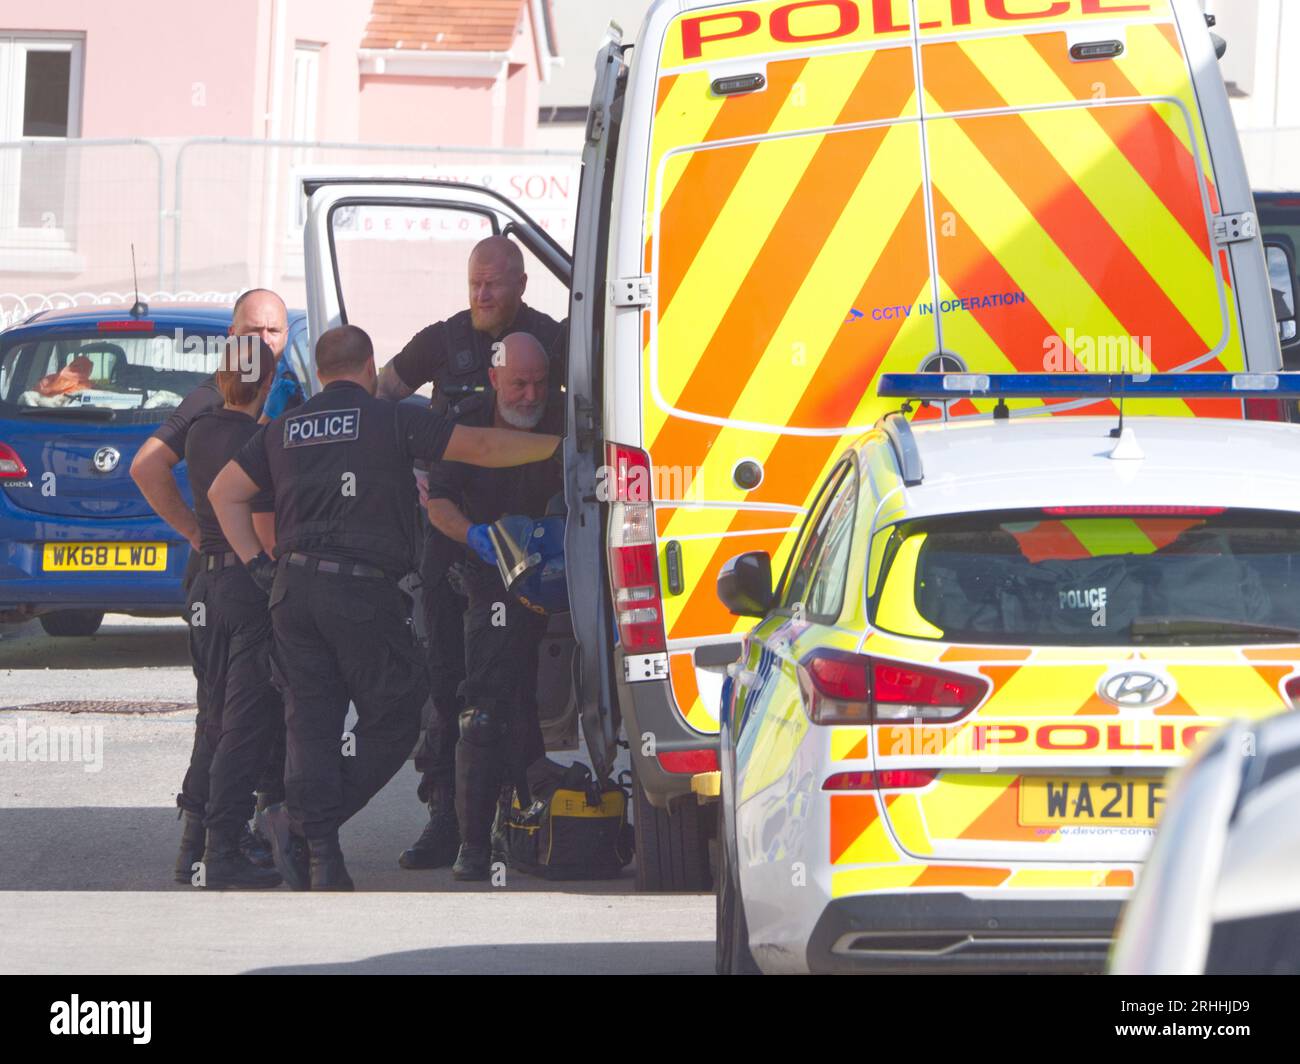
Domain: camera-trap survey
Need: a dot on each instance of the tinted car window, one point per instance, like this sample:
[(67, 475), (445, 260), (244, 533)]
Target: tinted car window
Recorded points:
[(812, 540), (127, 377), (825, 595), (1031, 578)]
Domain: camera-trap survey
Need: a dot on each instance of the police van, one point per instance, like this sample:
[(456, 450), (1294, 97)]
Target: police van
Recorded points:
[(781, 201)]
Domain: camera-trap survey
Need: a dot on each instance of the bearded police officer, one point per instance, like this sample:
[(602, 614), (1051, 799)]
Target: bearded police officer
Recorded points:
[(340, 470), (499, 731), (455, 356)]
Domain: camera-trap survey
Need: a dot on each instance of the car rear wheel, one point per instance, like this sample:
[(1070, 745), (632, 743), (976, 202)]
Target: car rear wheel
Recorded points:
[(672, 847), (733, 955), (72, 622)]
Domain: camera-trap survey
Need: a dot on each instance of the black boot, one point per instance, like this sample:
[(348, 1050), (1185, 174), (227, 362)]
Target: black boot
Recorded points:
[(473, 863), (328, 873), (437, 845), (225, 867), (191, 852)]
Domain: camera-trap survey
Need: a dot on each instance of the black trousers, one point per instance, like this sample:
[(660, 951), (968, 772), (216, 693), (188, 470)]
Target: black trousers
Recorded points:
[(500, 735), (210, 647), (444, 621), (246, 715), (341, 639)]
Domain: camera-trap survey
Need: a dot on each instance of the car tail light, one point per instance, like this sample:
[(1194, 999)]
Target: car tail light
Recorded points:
[(11, 466), (1266, 410), (691, 761), (890, 780), (1292, 689), (633, 558), (124, 326), (844, 688)]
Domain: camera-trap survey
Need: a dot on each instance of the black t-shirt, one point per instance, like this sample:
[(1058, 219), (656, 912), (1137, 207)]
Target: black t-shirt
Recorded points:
[(427, 357), (340, 467), (484, 495), (214, 438), (176, 428)]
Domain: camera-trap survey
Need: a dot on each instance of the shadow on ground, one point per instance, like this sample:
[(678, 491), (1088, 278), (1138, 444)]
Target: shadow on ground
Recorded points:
[(122, 643), (576, 958)]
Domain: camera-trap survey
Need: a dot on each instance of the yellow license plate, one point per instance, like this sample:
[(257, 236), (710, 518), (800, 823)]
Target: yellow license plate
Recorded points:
[(1098, 801), (105, 557)]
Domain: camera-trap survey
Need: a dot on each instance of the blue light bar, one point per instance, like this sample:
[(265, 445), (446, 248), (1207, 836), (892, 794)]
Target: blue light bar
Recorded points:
[(943, 386)]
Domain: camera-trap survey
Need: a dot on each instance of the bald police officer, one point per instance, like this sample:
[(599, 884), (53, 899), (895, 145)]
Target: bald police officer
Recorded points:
[(340, 470), (455, 356)]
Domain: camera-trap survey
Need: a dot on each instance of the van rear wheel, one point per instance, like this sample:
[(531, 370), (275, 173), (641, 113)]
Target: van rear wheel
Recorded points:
[(71, 622), (672, 847)]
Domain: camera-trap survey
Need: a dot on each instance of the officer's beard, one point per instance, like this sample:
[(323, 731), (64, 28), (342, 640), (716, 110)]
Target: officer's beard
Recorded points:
[(496, 322), (526, 418)]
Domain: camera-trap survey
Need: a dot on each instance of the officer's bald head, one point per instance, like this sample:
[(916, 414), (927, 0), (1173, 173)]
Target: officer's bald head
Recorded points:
[(496, 283), (346, 353), (520, 376)]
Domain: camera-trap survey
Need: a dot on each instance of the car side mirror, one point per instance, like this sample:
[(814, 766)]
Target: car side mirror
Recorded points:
[(1281, 278), (745, 584)]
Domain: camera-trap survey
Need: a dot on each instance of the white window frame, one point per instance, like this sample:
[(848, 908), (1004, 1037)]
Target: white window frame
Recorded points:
[(14, 49), (306, 90)]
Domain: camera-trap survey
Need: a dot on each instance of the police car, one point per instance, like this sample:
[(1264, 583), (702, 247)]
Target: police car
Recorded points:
[(945, 744), (81, 389)]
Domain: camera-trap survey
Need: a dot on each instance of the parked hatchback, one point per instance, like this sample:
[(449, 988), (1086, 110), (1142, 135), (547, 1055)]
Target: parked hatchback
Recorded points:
[(80, 392)]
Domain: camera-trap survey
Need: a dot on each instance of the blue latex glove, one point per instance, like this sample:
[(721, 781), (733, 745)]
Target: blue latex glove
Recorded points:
[(481, 543), (285, 392)]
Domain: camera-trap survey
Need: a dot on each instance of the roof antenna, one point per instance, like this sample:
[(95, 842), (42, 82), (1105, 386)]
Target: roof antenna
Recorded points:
[(1118, 431), (139, 308)]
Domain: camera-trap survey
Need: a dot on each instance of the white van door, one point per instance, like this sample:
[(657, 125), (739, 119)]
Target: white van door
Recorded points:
[(584, 449), (389, 254)]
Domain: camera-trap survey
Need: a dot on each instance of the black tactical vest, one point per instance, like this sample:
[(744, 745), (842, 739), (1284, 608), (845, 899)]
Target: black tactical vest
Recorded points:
[(469, 355), (344, 489)]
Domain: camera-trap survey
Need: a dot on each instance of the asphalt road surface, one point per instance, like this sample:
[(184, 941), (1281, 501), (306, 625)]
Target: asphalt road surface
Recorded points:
[(87, 846)]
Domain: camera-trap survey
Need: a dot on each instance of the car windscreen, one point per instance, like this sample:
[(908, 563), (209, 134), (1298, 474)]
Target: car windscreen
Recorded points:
[(1180, 577), (120, 377)]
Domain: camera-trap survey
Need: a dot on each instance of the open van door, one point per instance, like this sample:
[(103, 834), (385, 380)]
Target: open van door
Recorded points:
[(588, 575), (353, 275)]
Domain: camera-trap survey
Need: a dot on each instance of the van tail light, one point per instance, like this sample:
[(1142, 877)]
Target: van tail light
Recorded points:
[(1266, 410), (844, 688), (11, 466), (633, 558), (890, 780)]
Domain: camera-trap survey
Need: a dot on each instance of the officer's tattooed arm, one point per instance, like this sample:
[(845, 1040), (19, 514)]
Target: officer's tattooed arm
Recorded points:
[(232, 495), (446, 517), (391, 386), (498, 447), (151, 469)]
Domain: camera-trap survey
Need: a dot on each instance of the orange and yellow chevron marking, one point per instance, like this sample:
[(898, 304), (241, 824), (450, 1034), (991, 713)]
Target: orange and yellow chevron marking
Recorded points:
[(858, 835), (849, 744), (686, 693), (915, 876)]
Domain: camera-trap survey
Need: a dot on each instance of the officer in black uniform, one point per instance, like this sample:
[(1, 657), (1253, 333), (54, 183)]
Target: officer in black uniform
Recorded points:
[(245, 714), (499, 731), (345, 497), (455, 355), (258, 313)]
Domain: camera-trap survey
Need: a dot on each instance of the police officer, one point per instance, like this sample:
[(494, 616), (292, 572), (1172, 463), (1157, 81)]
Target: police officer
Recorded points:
[(244, 713), (499, 731), (258, 313), (455, 355), (340, 470)]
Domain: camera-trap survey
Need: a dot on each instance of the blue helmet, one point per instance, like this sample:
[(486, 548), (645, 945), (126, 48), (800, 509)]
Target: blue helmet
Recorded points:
[(530, 557)]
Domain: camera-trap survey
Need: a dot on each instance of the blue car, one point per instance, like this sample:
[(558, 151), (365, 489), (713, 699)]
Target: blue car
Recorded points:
[(80, 392)]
